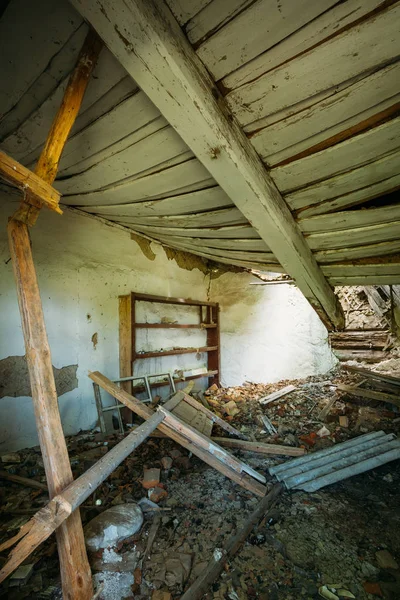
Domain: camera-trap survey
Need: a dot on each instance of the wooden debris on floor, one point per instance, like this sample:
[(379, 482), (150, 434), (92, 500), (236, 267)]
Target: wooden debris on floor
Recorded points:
[(278, 394)]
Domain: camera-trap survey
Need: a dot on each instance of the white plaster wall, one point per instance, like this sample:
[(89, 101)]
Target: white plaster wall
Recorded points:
[(268, 333), (83, 266)]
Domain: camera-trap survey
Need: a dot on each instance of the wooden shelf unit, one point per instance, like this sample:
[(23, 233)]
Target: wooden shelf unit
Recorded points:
[(128, 353)]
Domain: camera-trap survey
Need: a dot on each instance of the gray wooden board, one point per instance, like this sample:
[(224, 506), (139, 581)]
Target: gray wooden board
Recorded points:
[(370, 44), (331, 22)]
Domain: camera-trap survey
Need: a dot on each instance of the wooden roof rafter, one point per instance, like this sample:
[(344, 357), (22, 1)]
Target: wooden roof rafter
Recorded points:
[(148, 42)]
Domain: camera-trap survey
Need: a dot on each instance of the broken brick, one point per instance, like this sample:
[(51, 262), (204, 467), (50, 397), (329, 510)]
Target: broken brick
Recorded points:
[(231, 408), (151, 478), (157, 494), (343, 421)]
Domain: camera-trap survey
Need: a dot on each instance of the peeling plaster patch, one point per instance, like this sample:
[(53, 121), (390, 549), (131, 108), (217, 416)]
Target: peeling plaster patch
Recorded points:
[(185, 260), (144, 245), (14, 378), (95, 340)]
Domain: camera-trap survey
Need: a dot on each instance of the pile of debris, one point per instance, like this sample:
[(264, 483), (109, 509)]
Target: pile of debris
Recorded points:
[(159, 520)]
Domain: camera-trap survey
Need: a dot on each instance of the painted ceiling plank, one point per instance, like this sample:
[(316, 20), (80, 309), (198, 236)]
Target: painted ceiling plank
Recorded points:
[(350, 219), (127, 117), (366, 280), (137, 157), (226, 258), (28, 139), (345, 156), (183, 10), (45, 84), (243, 244), (255, 30), (327, 24), (368, 251), (223, 217), (24, 21), (201, 200), (124, 88), (212, 17), (148, 41), (231, 232), (189, 174), (158, 125), (381, 268), (341, 111), (338, 187), (369, 44), (264, 257), (354, 237)]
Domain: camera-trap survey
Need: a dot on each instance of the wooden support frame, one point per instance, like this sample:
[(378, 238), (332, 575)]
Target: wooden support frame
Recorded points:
[(75, 570), (148, 42)]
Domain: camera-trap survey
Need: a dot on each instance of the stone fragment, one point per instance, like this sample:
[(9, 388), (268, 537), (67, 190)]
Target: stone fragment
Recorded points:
[(372, 588), (157, 494), (113, 526), (150, 478), (160, 595), (231, 408), (343, 421), (386, 560), (12, 457), (166, 462)]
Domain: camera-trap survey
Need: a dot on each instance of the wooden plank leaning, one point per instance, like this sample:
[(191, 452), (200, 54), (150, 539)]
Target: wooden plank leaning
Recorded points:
[(50, 517), (172, 430)]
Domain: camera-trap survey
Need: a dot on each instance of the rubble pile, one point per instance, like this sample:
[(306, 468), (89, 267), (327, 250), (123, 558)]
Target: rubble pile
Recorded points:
[(342, 542)]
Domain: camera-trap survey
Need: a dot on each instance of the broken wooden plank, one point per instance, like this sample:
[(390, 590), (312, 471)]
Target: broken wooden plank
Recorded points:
[(21, 177), (143, 411), (215, 418), (369, 394), (277, 394), (327, 409), (259, 447), (51, 517), (221, 555), (268, 425), (373, 374), (23, 481)]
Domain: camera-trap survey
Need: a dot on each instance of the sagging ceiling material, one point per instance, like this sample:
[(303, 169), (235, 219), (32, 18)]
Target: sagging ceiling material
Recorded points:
[(312, 85)]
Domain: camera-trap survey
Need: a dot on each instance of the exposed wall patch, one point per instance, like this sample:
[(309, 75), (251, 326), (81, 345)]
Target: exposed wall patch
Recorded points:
[(14, 378)]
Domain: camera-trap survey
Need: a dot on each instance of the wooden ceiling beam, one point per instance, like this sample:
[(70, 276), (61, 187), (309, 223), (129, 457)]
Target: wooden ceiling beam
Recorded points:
[(147, 40)]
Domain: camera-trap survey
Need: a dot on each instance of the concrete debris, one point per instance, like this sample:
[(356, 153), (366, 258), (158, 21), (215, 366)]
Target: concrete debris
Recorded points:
[(150, 478), (113, 526), (348, 533)]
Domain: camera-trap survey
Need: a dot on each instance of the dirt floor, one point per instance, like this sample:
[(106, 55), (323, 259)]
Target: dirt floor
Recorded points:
[(330, 537)]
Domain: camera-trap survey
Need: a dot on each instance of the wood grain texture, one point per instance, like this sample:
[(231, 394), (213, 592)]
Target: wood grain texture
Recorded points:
[(345, 156), (370, 44), (160, 184), (348, 188), (350, 219), (223, 217), (211, 198), (330, 117), (329, 24), (254, 30), (366, 251), (20, 177), (75, 570), (354, 237), (186, 97)]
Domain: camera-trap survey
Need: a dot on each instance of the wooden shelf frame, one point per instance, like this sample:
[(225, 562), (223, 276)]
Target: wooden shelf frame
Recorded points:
[(208, 321)]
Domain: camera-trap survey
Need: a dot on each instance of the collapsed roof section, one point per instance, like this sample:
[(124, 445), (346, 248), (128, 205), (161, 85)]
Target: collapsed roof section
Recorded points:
[(279, 186)]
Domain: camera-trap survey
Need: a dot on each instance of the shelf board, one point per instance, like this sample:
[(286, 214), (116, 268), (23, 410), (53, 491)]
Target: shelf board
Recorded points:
[(166, 300), (175, 325), (175, 352)]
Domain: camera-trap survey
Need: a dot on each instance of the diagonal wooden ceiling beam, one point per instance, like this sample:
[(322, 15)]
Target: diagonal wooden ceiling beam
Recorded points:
[(148, 42)]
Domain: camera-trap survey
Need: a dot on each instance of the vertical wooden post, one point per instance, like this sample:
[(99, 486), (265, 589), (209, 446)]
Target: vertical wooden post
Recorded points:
[(75, 570), (213, 335)]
